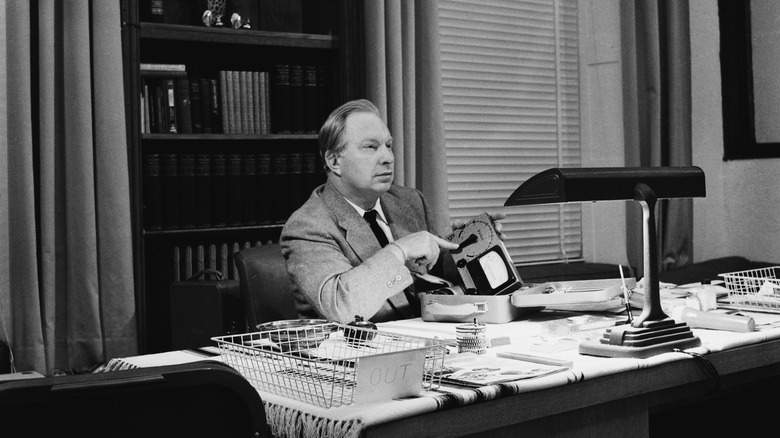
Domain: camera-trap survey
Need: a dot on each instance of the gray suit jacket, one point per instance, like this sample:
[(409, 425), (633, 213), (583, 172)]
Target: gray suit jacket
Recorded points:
[(339, 269)]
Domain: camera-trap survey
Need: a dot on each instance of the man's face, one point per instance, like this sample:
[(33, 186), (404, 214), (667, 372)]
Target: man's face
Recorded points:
[(365, 166)]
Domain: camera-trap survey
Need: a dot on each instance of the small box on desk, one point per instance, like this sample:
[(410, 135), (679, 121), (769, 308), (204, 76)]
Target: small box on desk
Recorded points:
[(204, 308)]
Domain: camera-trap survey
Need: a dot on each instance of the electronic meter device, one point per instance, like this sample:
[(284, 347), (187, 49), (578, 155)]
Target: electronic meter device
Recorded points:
[(482, 260)]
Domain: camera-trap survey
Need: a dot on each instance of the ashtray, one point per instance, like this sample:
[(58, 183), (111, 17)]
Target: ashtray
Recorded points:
[(297, 334)]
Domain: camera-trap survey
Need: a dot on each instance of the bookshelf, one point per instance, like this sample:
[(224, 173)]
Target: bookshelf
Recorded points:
[(222, 129)]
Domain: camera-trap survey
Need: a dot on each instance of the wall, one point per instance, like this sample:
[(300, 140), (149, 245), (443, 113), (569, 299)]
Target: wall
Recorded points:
[(741, 213)]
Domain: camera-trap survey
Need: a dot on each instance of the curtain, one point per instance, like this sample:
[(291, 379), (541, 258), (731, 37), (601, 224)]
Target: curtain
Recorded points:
[(66, 290), (403, 77), (657, 108)]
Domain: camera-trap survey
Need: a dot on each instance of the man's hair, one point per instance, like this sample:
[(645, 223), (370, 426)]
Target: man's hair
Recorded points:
[(332, 131)]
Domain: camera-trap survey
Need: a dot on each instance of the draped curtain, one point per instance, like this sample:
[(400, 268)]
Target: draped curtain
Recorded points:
[(66, 289), (657, 108), (403, 77)]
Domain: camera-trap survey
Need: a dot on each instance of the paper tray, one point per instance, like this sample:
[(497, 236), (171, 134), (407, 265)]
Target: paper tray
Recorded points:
[(570, 293)]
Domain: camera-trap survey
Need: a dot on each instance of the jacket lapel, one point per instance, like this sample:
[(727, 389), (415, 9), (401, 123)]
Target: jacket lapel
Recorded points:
[(357, 233)]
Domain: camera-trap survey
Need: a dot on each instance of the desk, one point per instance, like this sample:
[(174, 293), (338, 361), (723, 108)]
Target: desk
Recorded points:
[(597, 397)]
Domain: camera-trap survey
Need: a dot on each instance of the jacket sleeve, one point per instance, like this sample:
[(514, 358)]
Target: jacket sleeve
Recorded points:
[(327, 275)]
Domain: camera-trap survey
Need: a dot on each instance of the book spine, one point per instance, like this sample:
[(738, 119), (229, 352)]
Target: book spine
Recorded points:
[(152, 190), (243, 102), (233, 177), (205, 105), (324, 97), (296, 183), (279, 198), (216, 106), (256, 103), (281, 106), (219, 190), (235, 102), (170, 191), (160, 108), (183, 105), (224, 96), (203, 190), (196, 113), (170, 101), (148, 107), (156, 11), (311, 106), (187, 193), (265, 124), (298, 100), (264, 190), (248, 185), (155, 66)]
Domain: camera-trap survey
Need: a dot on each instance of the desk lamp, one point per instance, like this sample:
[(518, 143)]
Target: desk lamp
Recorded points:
[(653, 332)]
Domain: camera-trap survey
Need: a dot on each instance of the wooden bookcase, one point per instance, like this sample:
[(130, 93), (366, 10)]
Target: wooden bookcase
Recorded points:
[(187, 214)]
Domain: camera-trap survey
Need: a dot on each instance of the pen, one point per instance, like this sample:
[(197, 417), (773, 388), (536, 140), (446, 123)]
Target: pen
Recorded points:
[(625, 296)]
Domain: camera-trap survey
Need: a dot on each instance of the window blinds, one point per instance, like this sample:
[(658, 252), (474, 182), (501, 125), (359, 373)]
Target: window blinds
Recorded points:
[(510, 78)]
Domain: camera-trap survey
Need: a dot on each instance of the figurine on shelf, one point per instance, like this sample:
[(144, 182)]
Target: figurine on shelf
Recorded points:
[(213, 13)]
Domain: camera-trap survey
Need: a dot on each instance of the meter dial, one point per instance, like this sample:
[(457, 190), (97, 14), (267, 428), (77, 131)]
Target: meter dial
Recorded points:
[(475, 238)]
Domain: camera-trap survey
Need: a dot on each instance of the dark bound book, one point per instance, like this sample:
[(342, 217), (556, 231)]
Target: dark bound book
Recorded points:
[(281, 105), (169, 98), (187, 195), (195, 105), (233, 177), (224, 101), (205, 105), (310, 108), (309, 175), (183, 105), (298, 100), (280, 189), (264, 189), (170, 191), (203, 190), (324, 96), (215, 106), (248, 186), (295, 182), (152, 192), (219, 190)]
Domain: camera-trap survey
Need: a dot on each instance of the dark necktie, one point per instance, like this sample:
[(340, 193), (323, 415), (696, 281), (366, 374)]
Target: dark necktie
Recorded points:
[(403, 310), (370, 217)]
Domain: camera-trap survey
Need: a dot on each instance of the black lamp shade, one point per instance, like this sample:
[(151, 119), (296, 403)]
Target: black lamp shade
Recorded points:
[(559, 185)]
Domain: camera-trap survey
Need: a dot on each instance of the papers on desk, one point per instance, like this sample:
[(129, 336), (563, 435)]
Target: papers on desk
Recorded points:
[(474, 370)]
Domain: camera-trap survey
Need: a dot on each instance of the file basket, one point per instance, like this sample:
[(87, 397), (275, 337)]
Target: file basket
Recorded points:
[(318, 363), (754, 289)]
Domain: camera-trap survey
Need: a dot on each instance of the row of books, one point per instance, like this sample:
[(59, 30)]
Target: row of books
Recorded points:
[(292, 99), (188, 190)]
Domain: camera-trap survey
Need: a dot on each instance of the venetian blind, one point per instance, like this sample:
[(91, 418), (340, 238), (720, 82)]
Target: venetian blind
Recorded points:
[(511, 109)]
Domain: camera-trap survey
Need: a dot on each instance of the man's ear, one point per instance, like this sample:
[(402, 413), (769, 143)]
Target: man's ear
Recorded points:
[(332, 161)]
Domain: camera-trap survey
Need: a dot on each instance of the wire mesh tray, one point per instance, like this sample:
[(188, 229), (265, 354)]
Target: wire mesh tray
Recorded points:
[(319, 363), (755, 289)]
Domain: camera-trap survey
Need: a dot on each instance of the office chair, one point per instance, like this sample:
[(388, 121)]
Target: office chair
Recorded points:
[(201, 399), (264, 284)]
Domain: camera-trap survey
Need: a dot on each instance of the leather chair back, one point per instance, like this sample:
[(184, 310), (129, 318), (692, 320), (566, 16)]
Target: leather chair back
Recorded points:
[(265, 285)]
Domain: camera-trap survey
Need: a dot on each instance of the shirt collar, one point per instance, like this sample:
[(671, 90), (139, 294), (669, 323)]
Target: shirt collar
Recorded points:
[(377, 207)]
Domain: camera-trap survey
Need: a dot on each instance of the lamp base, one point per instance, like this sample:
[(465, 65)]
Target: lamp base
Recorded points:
[(655, 337)]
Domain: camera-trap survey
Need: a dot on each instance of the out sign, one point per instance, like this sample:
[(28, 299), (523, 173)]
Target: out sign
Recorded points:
[(390, 375)]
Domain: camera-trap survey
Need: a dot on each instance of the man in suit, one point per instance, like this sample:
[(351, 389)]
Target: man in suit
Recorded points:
[(342, 265)]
